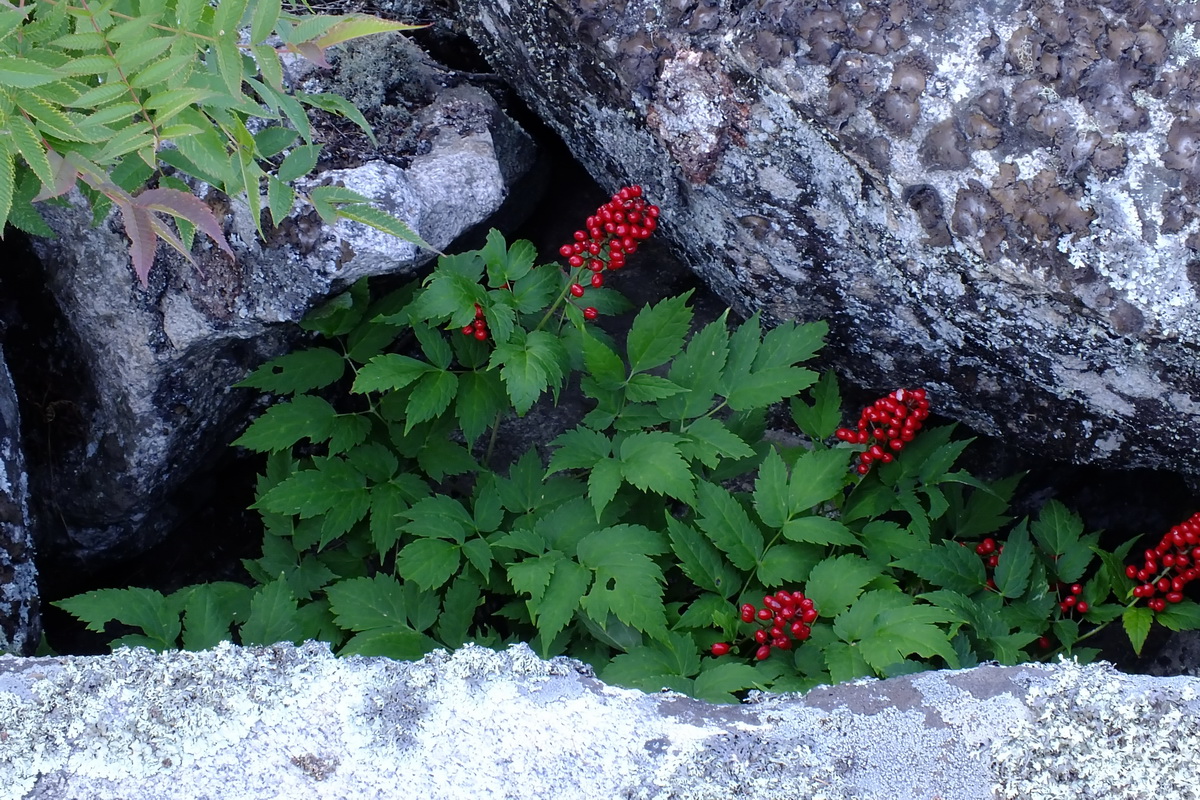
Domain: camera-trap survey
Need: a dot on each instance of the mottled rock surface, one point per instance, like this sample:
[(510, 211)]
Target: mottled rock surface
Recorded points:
[(20, 626), (296, 722), (997, 200), (155, 364)]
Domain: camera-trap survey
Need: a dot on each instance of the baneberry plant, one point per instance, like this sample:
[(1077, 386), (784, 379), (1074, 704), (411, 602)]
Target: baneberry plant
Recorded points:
[(667, 539)]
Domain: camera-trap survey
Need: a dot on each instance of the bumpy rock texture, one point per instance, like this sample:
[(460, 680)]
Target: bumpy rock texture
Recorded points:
[(152, 402), (20, 626), (997, 200), (296, 722)]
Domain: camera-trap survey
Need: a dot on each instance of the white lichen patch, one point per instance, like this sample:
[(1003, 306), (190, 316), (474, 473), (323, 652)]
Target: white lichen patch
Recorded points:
[(1094, 733)]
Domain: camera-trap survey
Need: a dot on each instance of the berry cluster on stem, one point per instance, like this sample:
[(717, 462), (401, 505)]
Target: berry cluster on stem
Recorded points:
[(887, 426), (611, 235), (785, 616), (1169, 566), (478, 328)]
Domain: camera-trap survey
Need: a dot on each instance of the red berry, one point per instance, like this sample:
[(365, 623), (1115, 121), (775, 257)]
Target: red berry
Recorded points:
[(481, 335), (565, 250), (576, 290), (1044, 642), (764, 613), (1131, 571), (575, 261), (760, 635), (590, 313), (763, 652), (1082, 607), (1174, 597), (597, 280), (1156, 604), (1076, 588), (468, 330), (720, 649)]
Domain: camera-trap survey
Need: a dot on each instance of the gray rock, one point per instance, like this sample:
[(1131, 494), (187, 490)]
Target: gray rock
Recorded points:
[(20, 622), (995, 200), (158, 362), (296, 722)]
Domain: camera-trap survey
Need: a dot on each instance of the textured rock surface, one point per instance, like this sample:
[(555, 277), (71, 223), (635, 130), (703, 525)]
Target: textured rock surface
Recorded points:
[(997, 200), (297, 722), (20, 626), (156, 364)]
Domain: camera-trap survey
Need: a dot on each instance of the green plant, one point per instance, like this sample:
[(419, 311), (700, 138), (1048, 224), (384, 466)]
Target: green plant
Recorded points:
[(130, 101), (645, 541)]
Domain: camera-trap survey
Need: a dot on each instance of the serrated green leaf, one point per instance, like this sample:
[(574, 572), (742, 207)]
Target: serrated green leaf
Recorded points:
[(818, 530), (363, 604), (658, 332), (700, 560), (272, 616), (743, 347), (769, 386), (771, 491), (708, 611), (333, 485), (728, 526), (209, 612), (788, 343), (336, 104), (949, 565), (458, 611), (301, 371), (299, 162), (349, 430), (708, 440), (156, 615), (651, 462), (817, 476), (1183, 616), (1071, 565), (821, 419), (1137, 621), (429, 563), (439, 516), (285, 424), (627, 584), (1016, 561), (603, 483), (561, 598), (431, 396), (834, 583), (480, 399), (579, 448), (132, 55), (845, 662), (603, 364), (384, 222), (280, 199), (787, 564), (524, 369), (535, 291), (889, 540), (1056, 528), (717, 684), (262, 23), (388, 501), (698, 370), (389, 372), (24, 72)]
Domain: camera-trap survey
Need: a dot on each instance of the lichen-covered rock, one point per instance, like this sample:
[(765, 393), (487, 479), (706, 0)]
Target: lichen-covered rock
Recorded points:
[(997, 200), (155, 364), (20, 623), (296, 722)]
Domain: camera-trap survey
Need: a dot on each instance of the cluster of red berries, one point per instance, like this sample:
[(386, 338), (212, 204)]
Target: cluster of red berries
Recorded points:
[(612, 234), (990, 552), (892, 421), (1169, 566), (784, 616), (478, 328), (1070, 598)]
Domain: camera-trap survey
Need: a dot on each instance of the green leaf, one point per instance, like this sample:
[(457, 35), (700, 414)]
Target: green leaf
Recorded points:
[(535, 291), (299, 162), (272, 616), (728, 526), (429, 563), (818, 530), (949, 565), (627, 582), (147, 609), (363, 604), (561, 598), (285, 424), (309, 492), (834, 583), (401, 644), (602, 363), (845, 662), (743, 347), (458, 611), (25, 72), (717, 684), (1183, 616), (579, 448), (480, 399), (301, 371), (817, 476), (700, 560), (644, 388), (821, 419), (1013, 569), (389, 372), (1137, 621), (439, 516), (262, 23), (889, 540), (771, 491), (1070, 566), (651, 462), (603, 483), (1056, 528), (336, 104), (658, 332), (699, 371), (708, 440), (431, 396), (787, 563), (769, 386), (529, 362), (788, 343), (209, 612)]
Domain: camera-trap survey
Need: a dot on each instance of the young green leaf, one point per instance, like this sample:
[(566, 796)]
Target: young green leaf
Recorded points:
[(819, 420), (1016, 561), (817, 476), (651, 462), (1056, 528), (728, 526), (429, 563), (657, 333), (834, 583), (1137, 621)]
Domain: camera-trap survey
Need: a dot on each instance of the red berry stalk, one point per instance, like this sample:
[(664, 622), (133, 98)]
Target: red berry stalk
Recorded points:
[(610, 236), (887, 426), (1169, 566), (784, 617)]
